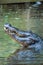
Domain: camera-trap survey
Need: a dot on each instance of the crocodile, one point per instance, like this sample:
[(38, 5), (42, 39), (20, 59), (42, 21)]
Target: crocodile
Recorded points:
[(25, 38), (32, 47)]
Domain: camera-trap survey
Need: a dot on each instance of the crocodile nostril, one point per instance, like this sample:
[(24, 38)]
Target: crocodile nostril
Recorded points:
[(6, 27)]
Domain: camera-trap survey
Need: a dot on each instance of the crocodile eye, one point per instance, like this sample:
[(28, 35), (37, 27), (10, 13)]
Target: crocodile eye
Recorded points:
[(9, 24)]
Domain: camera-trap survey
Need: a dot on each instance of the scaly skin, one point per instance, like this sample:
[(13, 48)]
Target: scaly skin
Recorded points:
[(25, 38)]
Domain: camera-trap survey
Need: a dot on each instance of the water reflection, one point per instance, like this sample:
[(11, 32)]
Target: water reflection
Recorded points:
[(25, 19), (26, 57)]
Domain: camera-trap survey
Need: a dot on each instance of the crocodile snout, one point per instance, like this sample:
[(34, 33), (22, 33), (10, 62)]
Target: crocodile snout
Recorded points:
[(6, 26)]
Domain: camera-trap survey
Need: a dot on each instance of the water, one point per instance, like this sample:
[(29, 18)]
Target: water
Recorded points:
[(22, 19)]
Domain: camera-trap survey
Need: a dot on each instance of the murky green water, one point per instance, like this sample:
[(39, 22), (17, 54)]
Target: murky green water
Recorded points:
[(22, 20)]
